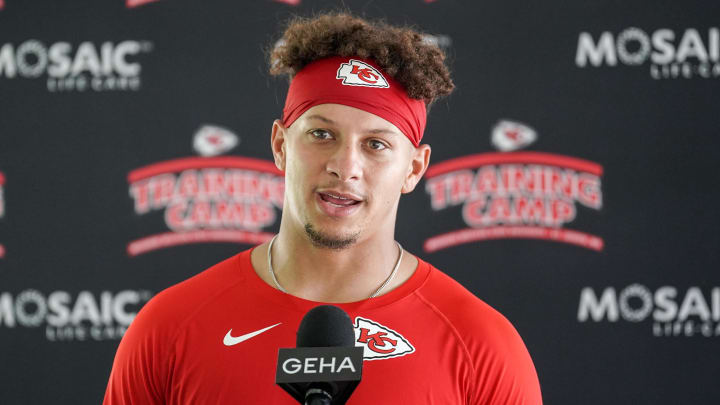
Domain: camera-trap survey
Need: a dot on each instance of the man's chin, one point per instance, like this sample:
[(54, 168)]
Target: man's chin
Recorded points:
[(324, 240)]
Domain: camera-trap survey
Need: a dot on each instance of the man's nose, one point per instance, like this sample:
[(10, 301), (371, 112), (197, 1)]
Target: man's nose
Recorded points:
[(346, 162)]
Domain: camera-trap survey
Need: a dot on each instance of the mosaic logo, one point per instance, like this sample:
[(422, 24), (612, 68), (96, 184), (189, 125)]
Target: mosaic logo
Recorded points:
[(528, 195), (68, 317), (692, 312), (67, 68), (207, 199), (670, 54)]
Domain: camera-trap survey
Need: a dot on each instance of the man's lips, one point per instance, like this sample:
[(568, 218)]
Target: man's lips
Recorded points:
[(339, 199), (337, 204)]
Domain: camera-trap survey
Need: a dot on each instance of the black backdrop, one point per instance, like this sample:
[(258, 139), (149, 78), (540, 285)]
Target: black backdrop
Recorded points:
[(611, 104)]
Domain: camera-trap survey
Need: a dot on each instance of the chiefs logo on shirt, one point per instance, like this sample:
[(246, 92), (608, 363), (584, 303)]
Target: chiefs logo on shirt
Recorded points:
[(358, 73), (379, 341)]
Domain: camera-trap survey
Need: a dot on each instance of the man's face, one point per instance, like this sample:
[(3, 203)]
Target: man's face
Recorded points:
[(345, 170)]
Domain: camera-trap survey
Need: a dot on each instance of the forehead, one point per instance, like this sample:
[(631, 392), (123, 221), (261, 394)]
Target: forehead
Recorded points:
[(350, 118)]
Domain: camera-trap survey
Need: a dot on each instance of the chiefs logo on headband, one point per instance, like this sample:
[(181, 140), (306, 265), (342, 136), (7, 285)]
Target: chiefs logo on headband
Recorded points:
[(357, 73)]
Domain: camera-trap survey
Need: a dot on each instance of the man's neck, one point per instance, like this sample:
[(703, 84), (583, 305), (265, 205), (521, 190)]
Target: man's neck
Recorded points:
[(332, 275)]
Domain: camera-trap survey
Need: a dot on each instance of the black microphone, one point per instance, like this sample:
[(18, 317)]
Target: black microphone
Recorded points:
[(326, 366)]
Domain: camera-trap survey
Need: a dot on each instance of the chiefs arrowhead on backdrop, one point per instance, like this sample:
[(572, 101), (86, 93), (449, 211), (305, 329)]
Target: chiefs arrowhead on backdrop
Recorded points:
[(212, 140), (510, 135)]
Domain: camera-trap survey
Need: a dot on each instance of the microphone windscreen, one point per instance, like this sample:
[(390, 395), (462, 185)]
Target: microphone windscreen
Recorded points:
[(326, 326)]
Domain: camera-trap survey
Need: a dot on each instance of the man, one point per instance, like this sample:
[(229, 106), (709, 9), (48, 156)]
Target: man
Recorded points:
[(349, 145)]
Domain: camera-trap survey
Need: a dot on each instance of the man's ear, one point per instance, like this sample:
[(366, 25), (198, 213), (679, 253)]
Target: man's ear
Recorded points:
[(419, 162), (277, 144)]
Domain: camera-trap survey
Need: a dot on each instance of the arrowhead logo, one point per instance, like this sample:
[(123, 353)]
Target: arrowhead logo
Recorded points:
[(358, 73), (509, 135), (378, 341), (212, 140)]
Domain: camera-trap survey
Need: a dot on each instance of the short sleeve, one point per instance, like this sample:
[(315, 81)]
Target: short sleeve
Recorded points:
[(502, 371), (505, 373)]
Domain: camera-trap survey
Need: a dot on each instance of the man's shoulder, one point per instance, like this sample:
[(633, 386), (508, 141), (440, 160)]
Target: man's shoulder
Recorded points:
[(497, 352), (178, 302), (475, 321)]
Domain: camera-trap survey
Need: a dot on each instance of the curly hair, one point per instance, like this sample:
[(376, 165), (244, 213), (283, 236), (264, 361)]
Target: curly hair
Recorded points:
[(400, 52)]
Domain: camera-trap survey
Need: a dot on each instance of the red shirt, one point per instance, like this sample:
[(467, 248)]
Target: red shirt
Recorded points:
[(429, 341)]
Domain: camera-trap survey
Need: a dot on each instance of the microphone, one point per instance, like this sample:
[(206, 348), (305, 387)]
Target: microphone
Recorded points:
[(326, 366)]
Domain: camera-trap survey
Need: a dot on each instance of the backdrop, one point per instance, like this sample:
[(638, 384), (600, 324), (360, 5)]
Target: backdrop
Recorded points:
[(572, 186)]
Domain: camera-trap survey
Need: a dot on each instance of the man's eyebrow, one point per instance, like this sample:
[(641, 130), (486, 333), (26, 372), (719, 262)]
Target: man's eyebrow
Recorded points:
[(321, 118), (370, 131), (382, 131)]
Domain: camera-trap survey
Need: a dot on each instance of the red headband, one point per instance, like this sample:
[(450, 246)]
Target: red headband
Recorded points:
[(356, 83)]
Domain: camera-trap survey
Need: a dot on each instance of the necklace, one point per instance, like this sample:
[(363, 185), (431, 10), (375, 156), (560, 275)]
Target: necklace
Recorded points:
[(375, 294)]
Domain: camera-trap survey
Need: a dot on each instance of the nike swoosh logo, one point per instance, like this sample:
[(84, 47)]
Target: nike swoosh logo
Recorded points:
[(231, 341)]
